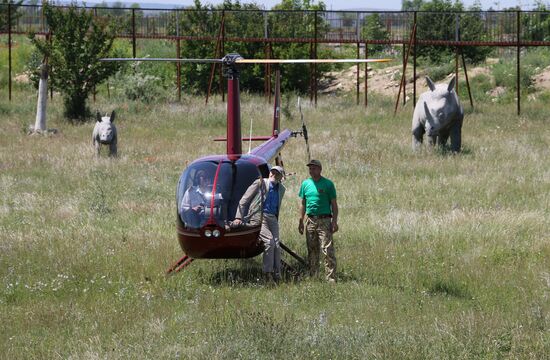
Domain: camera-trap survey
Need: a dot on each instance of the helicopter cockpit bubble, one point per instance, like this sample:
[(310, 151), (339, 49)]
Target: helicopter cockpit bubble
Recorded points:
[(200, 204)]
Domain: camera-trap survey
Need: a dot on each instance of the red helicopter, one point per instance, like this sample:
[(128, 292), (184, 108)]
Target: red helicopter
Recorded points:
[(204, 223)]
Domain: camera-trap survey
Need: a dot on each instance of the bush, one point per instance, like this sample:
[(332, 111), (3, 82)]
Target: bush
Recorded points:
[(544, 97), (140, 86), (481, 83), (505, 73), (437, 73), (537, 58)]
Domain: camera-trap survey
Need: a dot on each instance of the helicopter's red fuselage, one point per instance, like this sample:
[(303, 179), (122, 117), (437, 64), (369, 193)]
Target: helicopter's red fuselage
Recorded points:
[(196, 239), (234, 245), (229, 180), (211, 187)]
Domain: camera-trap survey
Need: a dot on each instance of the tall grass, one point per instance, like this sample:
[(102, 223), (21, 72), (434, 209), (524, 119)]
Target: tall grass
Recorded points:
[(439, 256)]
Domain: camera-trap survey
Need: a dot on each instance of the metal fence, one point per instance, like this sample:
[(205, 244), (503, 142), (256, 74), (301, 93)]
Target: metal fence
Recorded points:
[(407, 28), (499, 27)]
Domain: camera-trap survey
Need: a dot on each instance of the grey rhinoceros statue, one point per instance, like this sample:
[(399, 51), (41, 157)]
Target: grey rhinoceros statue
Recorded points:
[(105, 133), (438, 113)]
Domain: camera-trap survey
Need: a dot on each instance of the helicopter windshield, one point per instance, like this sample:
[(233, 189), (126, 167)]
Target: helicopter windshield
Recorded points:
[(199, 204)]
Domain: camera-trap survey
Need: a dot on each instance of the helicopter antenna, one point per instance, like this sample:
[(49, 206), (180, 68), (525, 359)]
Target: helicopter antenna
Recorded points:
[(277, 103), (304, 129), (250, 136)]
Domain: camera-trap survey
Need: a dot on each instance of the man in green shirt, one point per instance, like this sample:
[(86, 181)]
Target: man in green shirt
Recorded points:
[(319, 217)]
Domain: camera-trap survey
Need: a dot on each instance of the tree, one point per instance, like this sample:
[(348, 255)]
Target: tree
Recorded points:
[(348, 20), (438, 20), (472, 28), (4, 5), (373, 29), (199, 21), (205, 20), (120, 14), (301, 24), (536, 25), (411, 5), (78, 43)]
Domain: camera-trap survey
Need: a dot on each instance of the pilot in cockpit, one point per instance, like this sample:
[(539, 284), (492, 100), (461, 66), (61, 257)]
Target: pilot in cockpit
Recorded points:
[(195, 199)]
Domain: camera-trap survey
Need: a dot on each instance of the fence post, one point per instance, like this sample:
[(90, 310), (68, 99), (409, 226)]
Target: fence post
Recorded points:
[(456, 51), (178, 54), (357, 26), (134, 33), (366, 73), (414, 63), (222, 53), (358, 70), (517, 60), (358, 53), (404, 73), (178, 68), (405, 62), (94, 92), (311, 72), (49, 38), (9, 51), (315, 65), (267, 78)]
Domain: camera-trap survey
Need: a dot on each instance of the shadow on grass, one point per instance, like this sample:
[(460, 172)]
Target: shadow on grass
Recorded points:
[(255, 277), (251, 275), (445, 150), (344, 277), (449, 288), (236, 276)]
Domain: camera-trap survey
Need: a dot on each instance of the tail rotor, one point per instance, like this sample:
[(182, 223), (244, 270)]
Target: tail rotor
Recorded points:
[(304, 130)]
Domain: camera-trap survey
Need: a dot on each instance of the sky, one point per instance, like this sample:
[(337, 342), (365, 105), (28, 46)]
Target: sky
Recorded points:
[(352, 4)]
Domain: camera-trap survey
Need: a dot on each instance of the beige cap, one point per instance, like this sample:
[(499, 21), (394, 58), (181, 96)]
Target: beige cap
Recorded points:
[(314, 162), (277, 168)]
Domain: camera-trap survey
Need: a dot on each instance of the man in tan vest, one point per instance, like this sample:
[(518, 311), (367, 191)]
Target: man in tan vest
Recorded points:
[(265, 195)]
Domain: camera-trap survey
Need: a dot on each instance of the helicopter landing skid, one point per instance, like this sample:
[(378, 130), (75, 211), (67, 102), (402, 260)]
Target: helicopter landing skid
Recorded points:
[(289, 269), (186, 260), (180, 264), (293, 254)]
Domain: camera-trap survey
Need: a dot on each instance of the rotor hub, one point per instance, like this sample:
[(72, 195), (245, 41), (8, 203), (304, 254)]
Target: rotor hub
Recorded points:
[(229, 63)]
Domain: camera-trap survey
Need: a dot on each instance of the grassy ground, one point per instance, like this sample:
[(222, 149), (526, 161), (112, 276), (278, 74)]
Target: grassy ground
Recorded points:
[(440, 256)]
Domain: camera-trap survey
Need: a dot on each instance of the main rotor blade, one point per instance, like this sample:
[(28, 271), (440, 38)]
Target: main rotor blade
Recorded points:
[(203, 61), (306, 61), (254, 61)]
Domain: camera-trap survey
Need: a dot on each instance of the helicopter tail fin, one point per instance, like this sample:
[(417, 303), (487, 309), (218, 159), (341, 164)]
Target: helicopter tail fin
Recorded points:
[(277, 104)]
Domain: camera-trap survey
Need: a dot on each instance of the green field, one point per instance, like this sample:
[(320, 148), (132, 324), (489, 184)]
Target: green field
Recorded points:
[(440, 256)]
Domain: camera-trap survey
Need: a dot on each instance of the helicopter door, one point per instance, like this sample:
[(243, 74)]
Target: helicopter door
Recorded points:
[(199, 204), (194, 192), (234, 180)]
